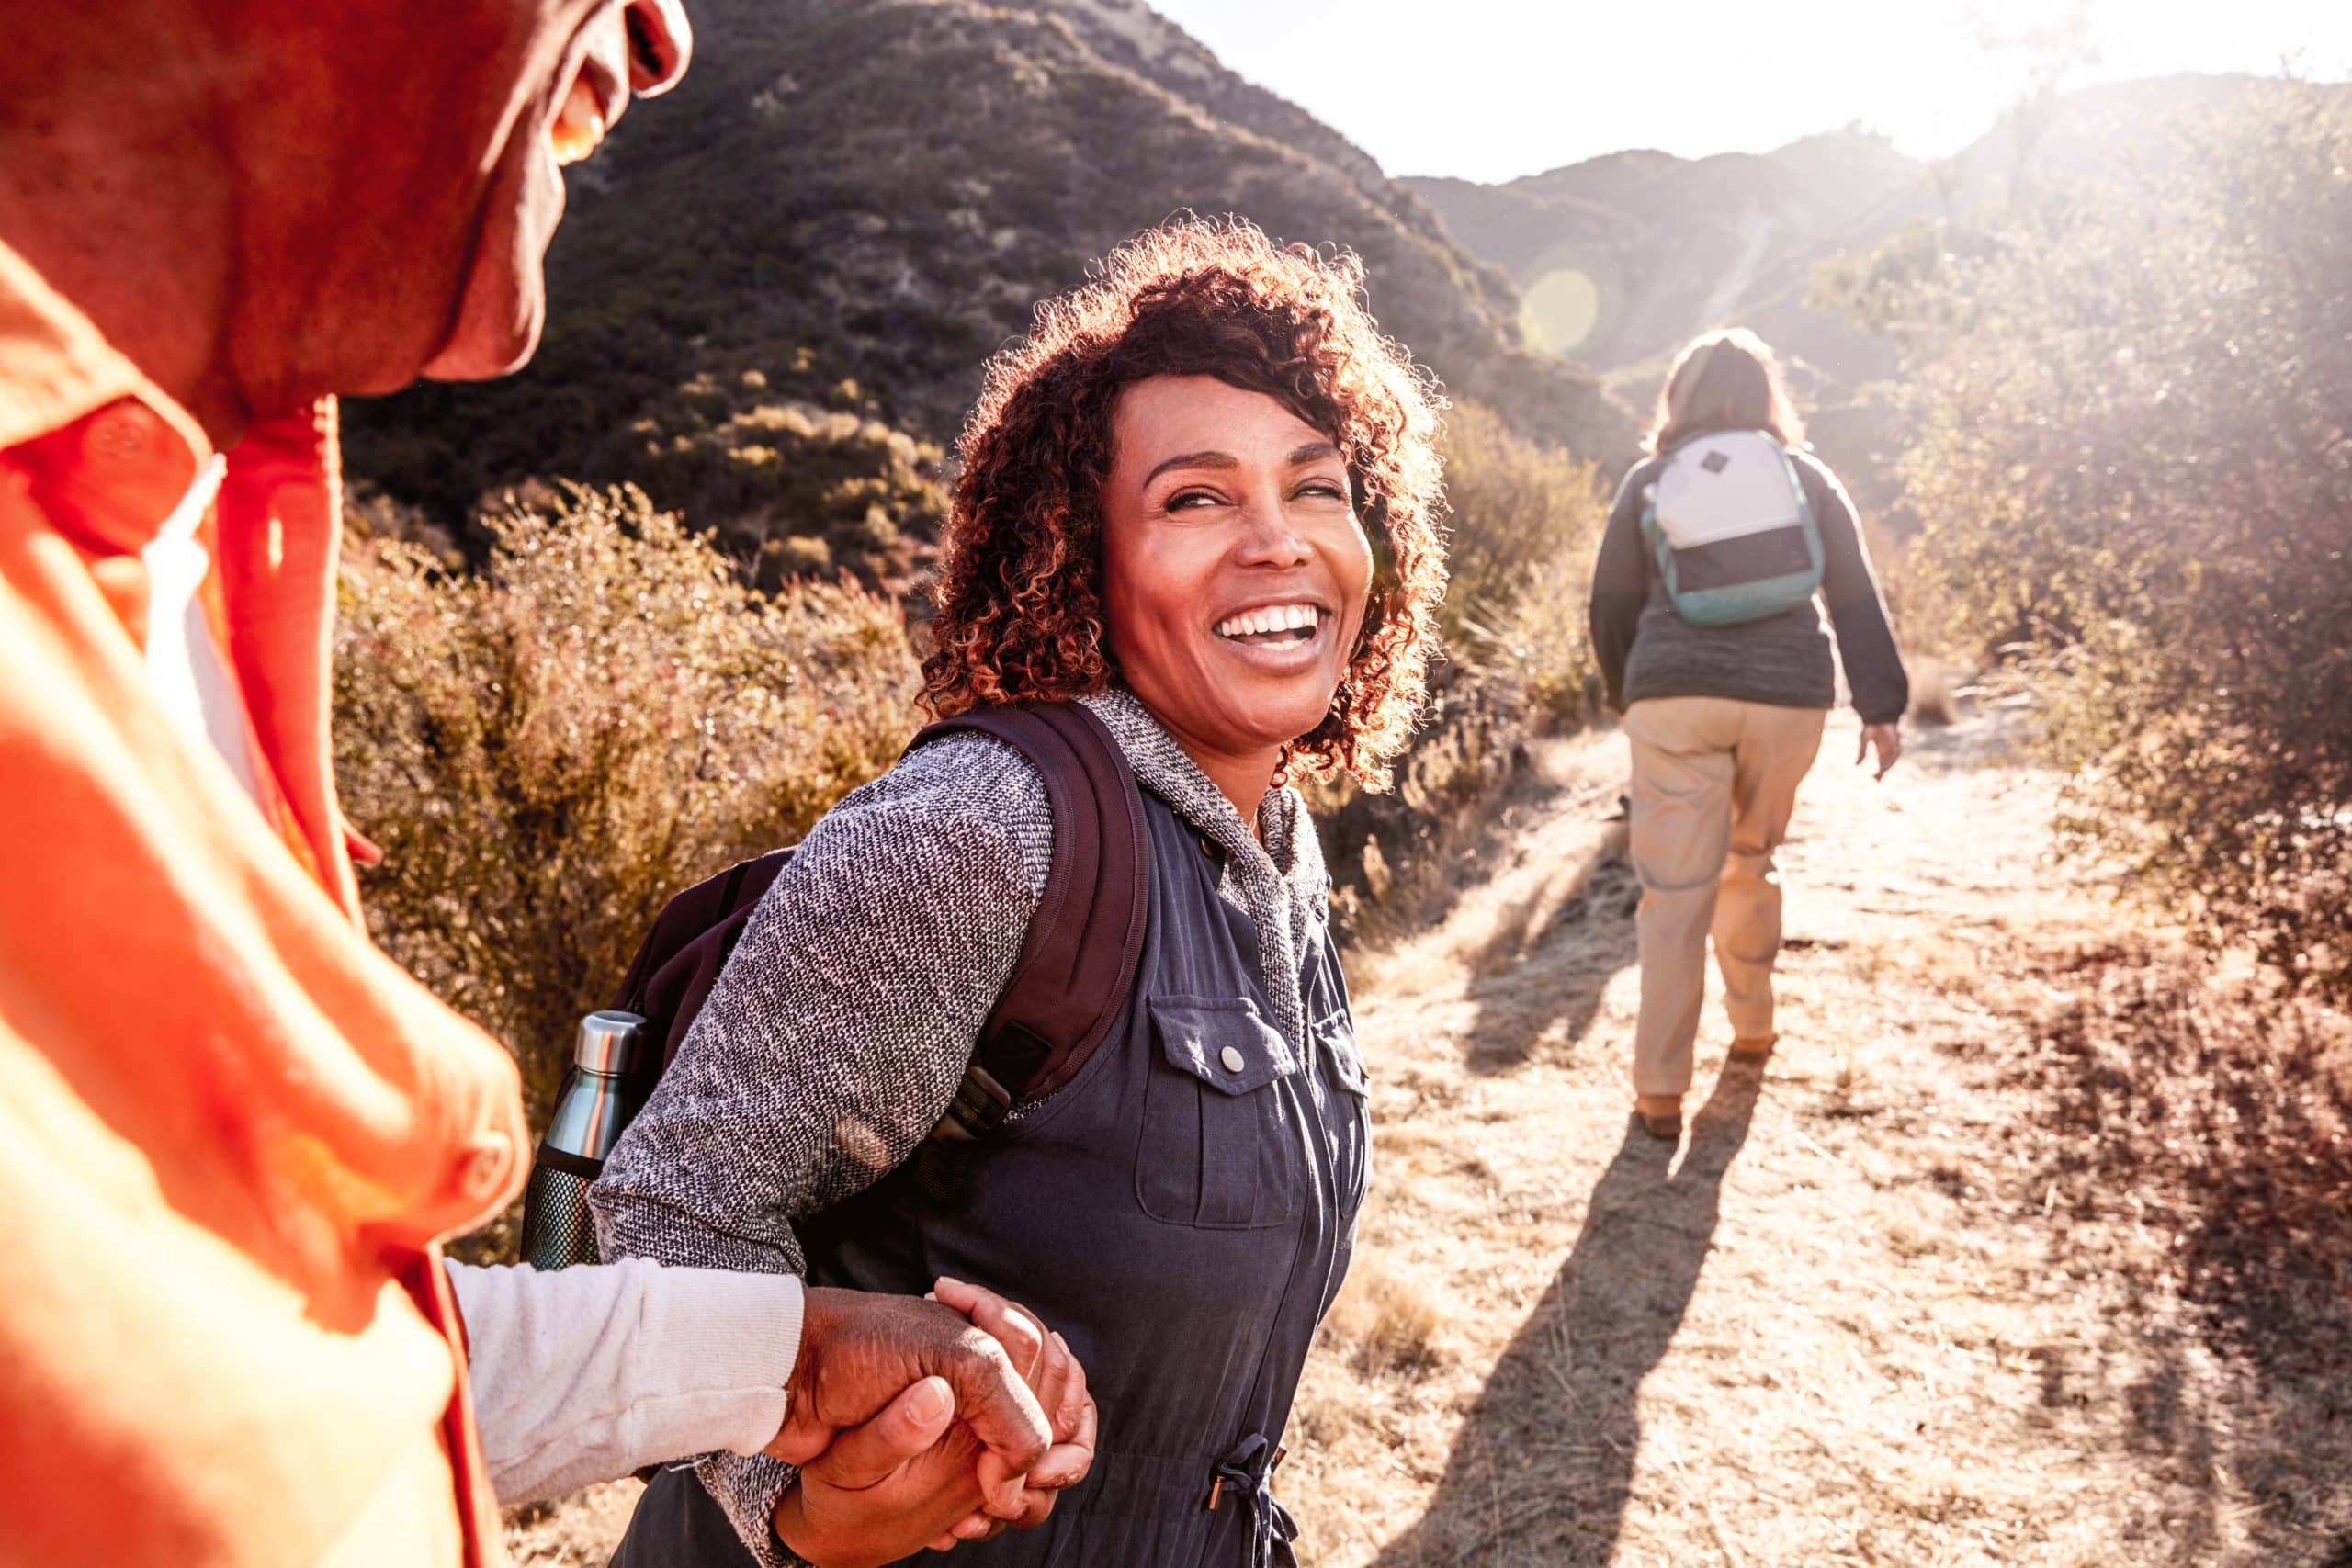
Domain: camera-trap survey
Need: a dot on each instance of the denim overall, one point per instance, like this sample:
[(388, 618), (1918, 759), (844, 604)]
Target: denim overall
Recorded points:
[(1182, 1211)]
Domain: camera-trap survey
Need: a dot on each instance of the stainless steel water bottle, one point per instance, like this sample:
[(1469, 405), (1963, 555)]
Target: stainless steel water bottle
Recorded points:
[(589, 1116)]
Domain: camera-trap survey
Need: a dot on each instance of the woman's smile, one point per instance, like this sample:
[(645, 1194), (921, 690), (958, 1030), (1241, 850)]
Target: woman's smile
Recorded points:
[(1235, 571), (1284, 635)]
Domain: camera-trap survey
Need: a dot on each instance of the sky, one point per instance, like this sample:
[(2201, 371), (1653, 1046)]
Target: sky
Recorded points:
[(1491, 89)]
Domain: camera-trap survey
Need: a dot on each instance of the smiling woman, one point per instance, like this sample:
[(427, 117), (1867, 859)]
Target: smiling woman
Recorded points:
[(1195, 340), (1198, 503)]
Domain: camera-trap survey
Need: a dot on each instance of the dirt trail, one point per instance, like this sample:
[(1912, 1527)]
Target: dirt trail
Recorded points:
[(1869, 1312), (1942, 1283)]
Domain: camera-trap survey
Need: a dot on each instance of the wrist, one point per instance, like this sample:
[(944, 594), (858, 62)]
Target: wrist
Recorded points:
[(819, 1316), (789, 1520)]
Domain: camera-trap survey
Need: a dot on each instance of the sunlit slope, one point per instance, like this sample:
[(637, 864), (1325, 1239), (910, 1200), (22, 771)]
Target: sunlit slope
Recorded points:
[(860, 200)]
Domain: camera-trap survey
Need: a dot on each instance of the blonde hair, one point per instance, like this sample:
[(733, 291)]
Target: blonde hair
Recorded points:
[(1725, 379)]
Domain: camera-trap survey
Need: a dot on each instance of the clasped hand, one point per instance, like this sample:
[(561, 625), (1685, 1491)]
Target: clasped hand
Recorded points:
[(923, 1423)]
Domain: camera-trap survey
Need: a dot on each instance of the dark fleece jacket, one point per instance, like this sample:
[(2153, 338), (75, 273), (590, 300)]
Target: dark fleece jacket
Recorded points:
[(1647, 651)]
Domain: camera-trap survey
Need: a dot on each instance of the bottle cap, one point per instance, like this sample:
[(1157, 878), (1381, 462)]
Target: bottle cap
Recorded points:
[(610, 1041)]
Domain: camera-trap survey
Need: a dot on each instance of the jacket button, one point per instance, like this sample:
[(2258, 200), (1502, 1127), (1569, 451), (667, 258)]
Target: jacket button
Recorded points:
[(1231, 1059)]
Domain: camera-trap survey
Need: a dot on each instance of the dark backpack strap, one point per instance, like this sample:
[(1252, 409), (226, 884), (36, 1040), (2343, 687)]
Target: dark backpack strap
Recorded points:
[(680, 959), (1079, 958)]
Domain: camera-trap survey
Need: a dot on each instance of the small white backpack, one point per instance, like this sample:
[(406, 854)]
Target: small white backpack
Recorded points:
[(1732, 530)]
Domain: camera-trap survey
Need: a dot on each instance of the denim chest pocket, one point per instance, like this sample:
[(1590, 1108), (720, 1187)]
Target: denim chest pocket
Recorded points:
[(1220, 1147), (1337, 1037)]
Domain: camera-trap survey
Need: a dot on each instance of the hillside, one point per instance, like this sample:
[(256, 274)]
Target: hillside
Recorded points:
[(1623, 257), (848, 206)]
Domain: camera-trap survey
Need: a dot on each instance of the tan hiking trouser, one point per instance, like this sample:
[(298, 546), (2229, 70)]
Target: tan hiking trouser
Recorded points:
[(1714, 780)]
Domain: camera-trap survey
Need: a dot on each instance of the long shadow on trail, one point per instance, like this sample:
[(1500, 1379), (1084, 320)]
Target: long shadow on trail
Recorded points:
[(1544, 1466)]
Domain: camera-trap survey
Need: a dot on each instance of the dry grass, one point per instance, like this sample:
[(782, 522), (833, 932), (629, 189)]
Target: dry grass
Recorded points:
[(1877, 1309), (2026, 1247)]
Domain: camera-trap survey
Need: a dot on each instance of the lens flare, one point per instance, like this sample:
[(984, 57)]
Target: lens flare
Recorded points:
[(1559, 311)]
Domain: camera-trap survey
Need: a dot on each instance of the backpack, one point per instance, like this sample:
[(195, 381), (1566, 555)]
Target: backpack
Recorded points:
[(1731, 527), (1078, 960)]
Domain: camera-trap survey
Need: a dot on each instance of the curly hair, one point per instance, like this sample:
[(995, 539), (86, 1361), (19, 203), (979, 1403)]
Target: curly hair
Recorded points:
[(1019, 599)]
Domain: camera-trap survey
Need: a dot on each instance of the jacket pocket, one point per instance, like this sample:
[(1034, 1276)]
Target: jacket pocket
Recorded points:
[(1336, 1036), (1220, 1147)]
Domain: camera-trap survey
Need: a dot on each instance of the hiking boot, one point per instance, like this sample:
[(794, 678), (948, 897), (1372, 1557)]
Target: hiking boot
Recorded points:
[(1661, 1115)]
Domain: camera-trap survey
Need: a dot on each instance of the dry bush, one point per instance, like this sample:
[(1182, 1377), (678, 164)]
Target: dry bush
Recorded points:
[(1527, 522), (2208, 1117), (548, 749), (2136, 479), (1384, 850), (2221, 1113), (794, 490), (1935, 691)]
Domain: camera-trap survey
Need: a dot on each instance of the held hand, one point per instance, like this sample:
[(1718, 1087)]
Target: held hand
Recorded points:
[(861, 1351), (886, 1489), (1054, 1373), (1889, 744)]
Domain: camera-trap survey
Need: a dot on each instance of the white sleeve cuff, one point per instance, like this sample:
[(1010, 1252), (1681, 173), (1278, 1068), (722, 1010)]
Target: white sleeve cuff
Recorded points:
[(592, 1372)]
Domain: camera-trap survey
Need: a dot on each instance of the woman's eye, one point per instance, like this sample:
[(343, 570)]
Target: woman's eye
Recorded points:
[(1188, 500), (1324, 489)]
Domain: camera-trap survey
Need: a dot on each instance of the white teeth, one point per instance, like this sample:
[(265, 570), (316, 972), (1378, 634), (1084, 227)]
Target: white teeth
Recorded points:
[(1271, 618), (580, 125)]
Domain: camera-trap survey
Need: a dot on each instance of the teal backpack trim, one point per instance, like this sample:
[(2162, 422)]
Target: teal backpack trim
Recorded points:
[(1742, 602)]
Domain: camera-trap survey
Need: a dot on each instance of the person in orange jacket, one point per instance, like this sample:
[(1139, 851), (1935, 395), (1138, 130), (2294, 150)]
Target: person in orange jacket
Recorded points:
[(233, 1133)]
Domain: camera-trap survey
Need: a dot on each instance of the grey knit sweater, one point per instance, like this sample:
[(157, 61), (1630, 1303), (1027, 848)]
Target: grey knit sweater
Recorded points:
[(841, 1026)]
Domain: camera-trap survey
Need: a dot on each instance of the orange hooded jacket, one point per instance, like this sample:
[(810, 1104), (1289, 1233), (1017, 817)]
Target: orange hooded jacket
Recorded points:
[(232, 1131)]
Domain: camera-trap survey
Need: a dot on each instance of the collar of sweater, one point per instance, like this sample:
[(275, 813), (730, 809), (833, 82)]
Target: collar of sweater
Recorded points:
[(1275, 876)]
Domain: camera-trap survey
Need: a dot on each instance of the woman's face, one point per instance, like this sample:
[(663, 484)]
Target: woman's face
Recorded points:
[(1234, 572)]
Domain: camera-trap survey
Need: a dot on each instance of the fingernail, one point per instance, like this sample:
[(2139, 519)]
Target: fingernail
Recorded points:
[(933, 1401), (949, 1279)]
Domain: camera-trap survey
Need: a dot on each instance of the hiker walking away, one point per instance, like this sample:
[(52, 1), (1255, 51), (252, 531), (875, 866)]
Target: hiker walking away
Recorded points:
[(1194, 512), (1705, 624), (234, 1134)]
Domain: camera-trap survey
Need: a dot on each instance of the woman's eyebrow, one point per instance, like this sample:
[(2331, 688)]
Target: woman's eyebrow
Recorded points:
[(1195, 460), (1312, 452)]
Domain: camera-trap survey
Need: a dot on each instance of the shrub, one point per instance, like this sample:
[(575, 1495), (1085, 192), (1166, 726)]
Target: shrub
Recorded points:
[(1527, 520), (548, 749), (791, 488), (2132, 463)]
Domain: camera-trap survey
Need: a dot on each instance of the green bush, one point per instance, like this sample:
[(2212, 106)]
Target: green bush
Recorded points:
[(2130, 412), (549, 748)]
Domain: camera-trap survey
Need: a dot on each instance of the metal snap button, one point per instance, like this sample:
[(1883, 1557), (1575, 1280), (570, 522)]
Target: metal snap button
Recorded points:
[(1231, 1059)]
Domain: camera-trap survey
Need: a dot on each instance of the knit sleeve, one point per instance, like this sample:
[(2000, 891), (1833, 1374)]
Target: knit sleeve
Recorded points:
[(835, 1036), (1849, 588), (1620, 584)]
